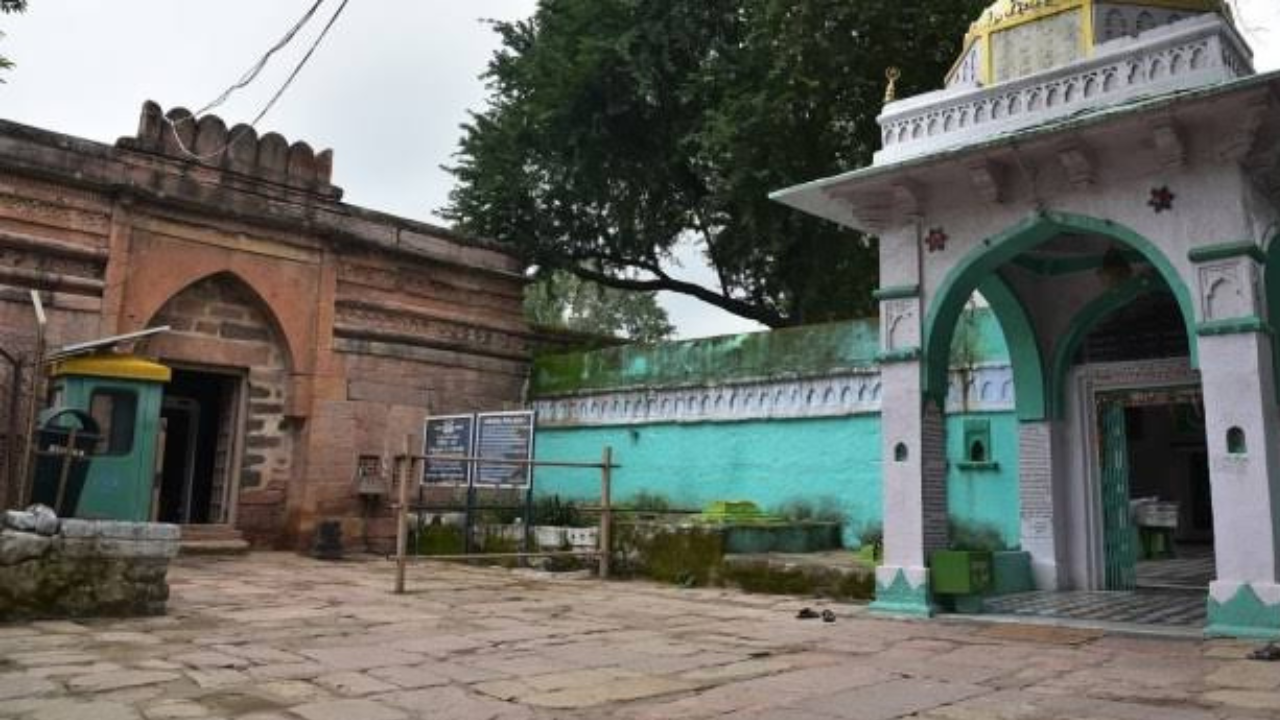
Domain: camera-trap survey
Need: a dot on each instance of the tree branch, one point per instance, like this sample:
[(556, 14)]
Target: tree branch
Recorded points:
[(664, 282)]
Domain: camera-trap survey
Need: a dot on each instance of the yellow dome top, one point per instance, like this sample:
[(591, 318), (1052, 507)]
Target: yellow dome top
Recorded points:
[(1065, 30), (1004, 14)]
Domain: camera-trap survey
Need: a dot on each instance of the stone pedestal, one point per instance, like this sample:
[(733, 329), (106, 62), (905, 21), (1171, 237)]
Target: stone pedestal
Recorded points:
[(86, 569)]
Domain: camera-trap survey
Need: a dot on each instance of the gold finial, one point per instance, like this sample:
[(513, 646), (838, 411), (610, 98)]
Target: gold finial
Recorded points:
[(892, 74)]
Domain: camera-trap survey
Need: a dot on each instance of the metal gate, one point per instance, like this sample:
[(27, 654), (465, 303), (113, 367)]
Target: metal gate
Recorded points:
[(1118, 536)]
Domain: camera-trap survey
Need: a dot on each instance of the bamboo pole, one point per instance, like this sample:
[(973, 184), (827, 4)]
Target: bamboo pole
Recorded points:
[(26, 476), (511, 463), (404, 469), (606, 511), (16, 444), (505, 556)]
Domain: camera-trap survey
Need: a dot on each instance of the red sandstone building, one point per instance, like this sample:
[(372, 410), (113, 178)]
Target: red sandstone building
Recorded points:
[(307, 333)]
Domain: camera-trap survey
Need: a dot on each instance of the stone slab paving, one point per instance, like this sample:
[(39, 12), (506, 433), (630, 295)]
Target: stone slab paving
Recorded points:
[(279, 637)]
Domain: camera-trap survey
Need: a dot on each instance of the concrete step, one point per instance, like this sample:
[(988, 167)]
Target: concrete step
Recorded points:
[(213, 540)]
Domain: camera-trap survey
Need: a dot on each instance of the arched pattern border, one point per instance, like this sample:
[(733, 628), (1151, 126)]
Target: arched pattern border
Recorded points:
[(967, 276)]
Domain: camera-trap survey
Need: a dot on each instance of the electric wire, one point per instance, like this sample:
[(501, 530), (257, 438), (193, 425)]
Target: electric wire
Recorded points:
[(252, 73), (248, 78), (301, 63)]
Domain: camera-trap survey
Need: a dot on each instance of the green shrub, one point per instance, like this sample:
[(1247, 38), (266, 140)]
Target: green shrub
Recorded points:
[(976, 537), (872, 536), (647, 502), (823, 509), (438, 539), (550, 510), (684, 556)]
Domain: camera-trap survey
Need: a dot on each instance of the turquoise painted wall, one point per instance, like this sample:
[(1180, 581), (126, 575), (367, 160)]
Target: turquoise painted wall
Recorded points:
[(833, 463), (986, 497), (828, 461), (833, 460)]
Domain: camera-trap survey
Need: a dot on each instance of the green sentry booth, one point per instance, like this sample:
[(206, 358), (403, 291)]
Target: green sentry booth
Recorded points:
[(124, 394)]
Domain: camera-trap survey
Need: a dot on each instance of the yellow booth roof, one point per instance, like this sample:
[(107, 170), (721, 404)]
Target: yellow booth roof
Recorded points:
[(123, 367)]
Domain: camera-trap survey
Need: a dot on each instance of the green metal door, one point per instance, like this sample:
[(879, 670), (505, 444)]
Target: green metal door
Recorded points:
[(1119, 537), (122, 473)]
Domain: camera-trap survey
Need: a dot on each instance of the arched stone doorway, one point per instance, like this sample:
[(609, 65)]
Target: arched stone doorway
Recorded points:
[(1049, 280), (229, 442)]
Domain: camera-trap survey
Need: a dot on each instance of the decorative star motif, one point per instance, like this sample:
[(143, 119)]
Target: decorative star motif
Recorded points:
[(1162, 199), (936, 240)]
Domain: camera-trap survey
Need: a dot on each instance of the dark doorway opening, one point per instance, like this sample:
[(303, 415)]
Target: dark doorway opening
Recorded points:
[(199, 415), (1171, 496)]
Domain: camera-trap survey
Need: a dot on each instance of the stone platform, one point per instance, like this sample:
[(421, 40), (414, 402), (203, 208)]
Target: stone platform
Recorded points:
[(83, 568)]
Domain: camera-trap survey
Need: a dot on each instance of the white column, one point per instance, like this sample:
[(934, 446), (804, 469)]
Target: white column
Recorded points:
[(1240, 401), (913, 435), (1236, 364)]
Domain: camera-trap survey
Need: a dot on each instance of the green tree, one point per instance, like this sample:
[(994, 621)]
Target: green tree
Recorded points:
[(561, 299), (617, 129), (7, 7)]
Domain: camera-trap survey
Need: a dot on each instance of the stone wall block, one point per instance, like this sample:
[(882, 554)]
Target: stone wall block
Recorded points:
[(302, 164), (324, 167), (151, 126), (273, 157), (182, 124), (41, 521), (211, 138), (19, 547), (242, 155), (103, 569)]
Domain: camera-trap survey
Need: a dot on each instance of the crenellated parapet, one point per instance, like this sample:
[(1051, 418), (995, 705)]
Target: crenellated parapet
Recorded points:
[(208, 142)]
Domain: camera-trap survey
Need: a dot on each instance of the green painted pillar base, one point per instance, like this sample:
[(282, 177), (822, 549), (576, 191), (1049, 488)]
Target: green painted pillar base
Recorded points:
[(1242, 610), (903, 591)]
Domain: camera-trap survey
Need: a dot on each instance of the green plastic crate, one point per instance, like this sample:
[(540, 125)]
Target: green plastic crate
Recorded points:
[(960, 572)]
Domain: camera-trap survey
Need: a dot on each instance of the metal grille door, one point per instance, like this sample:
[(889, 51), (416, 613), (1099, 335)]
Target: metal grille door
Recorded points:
[(1119, 536)]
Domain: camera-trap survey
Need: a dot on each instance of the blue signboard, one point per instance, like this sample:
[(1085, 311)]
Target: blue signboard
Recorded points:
[(448, 435), (505, 436)]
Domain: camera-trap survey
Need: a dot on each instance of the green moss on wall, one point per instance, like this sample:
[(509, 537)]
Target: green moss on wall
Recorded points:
[(689, 556), (803, 351), (809, 350), (762, 576)]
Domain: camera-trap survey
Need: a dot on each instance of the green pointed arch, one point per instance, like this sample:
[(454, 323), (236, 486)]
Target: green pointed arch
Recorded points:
[(1081, 325), (981, 263), (1271, 283), (1024, 351)]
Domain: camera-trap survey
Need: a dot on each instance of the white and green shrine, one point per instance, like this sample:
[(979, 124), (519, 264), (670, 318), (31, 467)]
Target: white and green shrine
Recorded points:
[(1106, 175)]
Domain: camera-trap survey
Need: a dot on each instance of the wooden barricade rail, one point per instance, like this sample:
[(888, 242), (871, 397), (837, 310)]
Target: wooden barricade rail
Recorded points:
[(409, 466)]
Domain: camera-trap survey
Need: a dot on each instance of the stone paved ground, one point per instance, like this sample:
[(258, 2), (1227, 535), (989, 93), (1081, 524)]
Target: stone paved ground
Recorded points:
[(277, 637)]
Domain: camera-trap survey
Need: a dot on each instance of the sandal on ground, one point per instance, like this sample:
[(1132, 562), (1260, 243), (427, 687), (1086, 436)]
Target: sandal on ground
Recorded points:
[(828, 616), (807, 614)]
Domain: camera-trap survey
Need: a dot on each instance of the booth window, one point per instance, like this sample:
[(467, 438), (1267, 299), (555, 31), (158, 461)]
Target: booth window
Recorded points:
[(116, 412)]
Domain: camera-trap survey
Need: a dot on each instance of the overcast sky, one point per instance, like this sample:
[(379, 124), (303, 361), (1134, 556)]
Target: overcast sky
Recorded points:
[(387, 91)]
